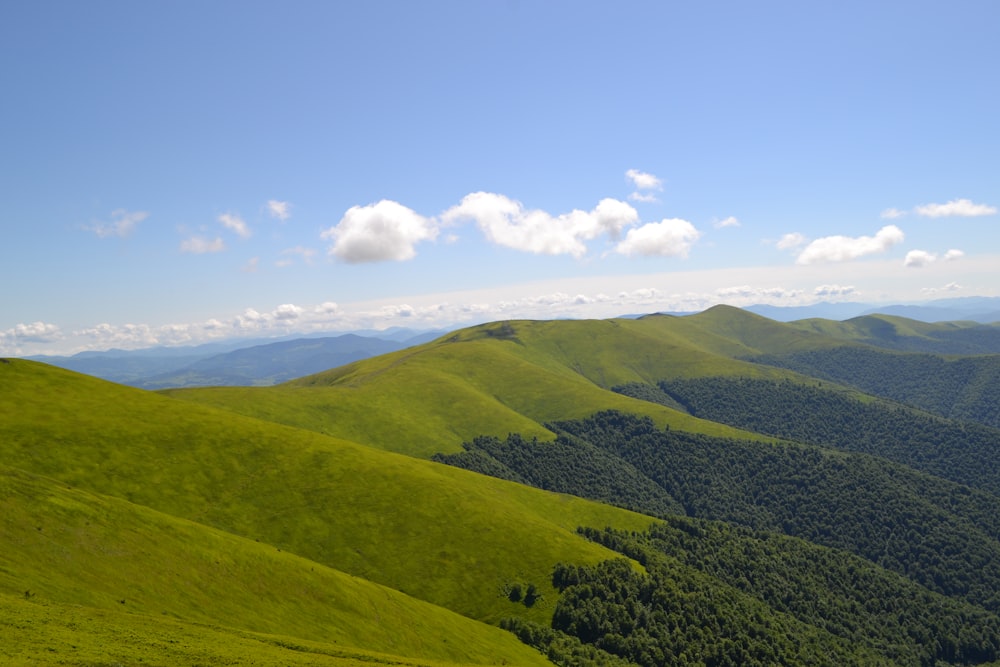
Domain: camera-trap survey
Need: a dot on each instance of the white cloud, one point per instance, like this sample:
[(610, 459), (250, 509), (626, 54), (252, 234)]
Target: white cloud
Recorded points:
[(845, 248), (287, 311), (34, 332), (953, 254), (235, 224), (122, 335), (121, 224), (834, 290), (962, 208), (280, 210), (919, 258), (327, 308), (792, 240), (748, 295), (892, 214), (379, 232), (731, 221), (199, 245), (950, 287), (643, 181), (505, 222), (671, 237)]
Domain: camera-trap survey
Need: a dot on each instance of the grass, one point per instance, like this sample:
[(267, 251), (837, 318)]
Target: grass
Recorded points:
[(70, 547), (438, 534), (489, 380), (46, 633)]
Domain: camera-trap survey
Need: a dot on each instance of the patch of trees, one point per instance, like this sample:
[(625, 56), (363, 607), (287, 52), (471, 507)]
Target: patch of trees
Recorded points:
[(958, 388), (814, 414)]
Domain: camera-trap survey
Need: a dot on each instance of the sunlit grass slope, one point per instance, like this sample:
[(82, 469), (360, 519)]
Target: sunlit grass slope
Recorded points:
[(36, 632), (495, 379), (72, 547), (437, 533)]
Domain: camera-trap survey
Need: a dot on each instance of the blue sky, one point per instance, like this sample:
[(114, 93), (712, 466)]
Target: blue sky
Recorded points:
[(179, 172)]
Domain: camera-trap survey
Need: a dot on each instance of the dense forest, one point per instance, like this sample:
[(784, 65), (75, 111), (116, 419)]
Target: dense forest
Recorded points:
[(880, 554), (964, 388), (938, 533), (817, 414)]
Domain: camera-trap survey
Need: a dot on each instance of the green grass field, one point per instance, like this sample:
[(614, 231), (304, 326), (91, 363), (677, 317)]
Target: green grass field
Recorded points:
[(118, 490)]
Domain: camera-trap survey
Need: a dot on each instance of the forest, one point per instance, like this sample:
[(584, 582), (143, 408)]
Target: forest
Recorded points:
[(849, 544)]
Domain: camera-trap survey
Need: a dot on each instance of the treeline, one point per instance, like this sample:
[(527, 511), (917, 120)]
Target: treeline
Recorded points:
[(961, 452), (963, 388)]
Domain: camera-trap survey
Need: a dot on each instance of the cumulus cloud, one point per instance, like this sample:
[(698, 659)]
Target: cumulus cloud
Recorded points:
[(950, 287), (918, 258), (121, 335), (121, 224), (34, 332), (327, 308), (386, 231), (792, 240), (287, 311), (845, 248), (953, 254), (960, 208), (506, 222), (645, 184), (235, 224), (280, 210), (731, 221), (747, 294), (671, 237), (892, 214), (827, 291), (643, 181), (199, 245)]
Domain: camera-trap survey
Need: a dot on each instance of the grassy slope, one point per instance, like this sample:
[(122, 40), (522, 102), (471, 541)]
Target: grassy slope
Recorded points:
[(46, 633), (70, 547), (900, 333), (437, 533), (493, 380)]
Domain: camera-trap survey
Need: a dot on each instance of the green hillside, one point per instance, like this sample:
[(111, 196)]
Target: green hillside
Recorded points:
[(906, 335), (309, 517), (77, 548), (439, 534), (492, 380)]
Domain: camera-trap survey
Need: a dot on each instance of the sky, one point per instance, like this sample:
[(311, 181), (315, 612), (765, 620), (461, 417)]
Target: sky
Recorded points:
[(179, 172)]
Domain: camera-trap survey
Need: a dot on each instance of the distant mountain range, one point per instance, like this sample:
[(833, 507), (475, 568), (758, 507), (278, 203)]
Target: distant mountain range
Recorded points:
[(260, 362), (976, 309), (237, 362)]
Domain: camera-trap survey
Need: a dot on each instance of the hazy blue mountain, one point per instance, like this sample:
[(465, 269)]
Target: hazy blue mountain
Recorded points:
[(985, 310), (237, 361)]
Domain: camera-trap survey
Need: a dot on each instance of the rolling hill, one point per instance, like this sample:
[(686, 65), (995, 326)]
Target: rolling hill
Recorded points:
[(307, 521)]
